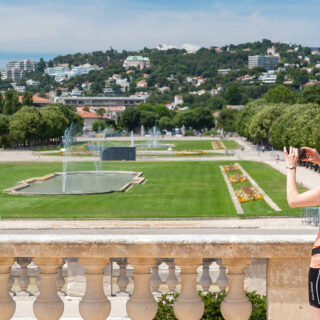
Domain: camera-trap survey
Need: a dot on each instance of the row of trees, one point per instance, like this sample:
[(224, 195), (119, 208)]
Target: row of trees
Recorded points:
[(33, 126), (280, 120), (148, 115)]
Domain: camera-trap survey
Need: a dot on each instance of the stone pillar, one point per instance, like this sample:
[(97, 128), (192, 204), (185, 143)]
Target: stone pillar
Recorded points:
[(60, 280), (287, 289), (183, 130), (142, 305), (94, 304), (48, 305), (222, 280), (123, 279), (172, 280), (206, 279), (155, 280), (24, 280), (236, 305), (7, 304), (142, 130), (188, 305)]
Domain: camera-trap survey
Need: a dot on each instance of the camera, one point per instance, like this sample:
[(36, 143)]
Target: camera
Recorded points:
[(302, 154)]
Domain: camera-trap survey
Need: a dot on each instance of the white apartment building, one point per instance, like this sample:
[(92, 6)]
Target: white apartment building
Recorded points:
[(26, 64), (268, 62), (61, 73), (136, 62), (31, 82), (178, 100), (268, 77)]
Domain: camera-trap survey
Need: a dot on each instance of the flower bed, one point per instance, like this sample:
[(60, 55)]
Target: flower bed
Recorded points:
[(247, 193), (218, 145), (237, 178), (192, 153), (231, 167)]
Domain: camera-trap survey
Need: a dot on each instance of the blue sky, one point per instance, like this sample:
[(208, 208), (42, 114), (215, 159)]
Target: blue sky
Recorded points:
[(34, 28)]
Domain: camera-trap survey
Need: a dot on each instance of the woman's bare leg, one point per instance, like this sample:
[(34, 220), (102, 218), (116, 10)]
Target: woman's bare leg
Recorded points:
[(315, 313)]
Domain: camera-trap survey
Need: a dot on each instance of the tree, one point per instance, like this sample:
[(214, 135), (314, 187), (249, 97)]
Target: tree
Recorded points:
[(310, 95), (233, 95), (148, 119), (145, 107), (226, 119), (98, 125), (4, 130), (162, 111), (100, 112), (262, 121), (1, 102), (86, 108), (25, 125), (203, 118), (27, 99), (54, 123), (11, 103), (130, 119), (41, 65), (165, 123), (280, 94), (216, 103)]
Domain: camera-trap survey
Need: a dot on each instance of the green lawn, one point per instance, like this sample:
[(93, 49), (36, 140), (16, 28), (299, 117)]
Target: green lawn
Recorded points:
[(231, 144), (173, 189)]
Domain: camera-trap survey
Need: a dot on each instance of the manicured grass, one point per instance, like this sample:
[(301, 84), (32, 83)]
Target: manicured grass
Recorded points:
[(173, 189), (231, 144)]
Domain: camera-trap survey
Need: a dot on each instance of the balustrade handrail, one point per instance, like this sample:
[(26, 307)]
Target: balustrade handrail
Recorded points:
[(156, 246), (287, 258)]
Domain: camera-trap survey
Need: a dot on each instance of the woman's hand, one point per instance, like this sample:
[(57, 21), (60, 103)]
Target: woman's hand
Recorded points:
[(311, 155), (292, 157)]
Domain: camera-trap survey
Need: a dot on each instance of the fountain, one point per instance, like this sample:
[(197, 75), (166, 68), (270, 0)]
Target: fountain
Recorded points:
[(153, 142), (70, 182)]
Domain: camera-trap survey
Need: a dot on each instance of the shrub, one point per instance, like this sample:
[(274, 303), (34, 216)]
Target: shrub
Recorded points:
[(189, 133), (212, 301)]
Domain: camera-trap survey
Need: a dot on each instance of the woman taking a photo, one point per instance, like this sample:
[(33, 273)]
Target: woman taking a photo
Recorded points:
[(306, 199)]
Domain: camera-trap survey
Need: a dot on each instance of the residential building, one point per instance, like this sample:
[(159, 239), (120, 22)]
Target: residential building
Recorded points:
[(224, 72), (234, 107), (123, 83), (26, 65), (136, 62), (61, 73), (195, 81), (18, 88), (76, 92), (268, 77), (271, 51), (32, 83), (89, 118), (38, 101), (178, 100), (268, 62), (142, 84)]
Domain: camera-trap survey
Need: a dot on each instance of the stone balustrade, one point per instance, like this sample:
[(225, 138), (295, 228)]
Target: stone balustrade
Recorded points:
[(286, 273)]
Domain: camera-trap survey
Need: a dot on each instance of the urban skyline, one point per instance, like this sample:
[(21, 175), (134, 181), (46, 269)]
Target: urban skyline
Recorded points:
[(134, 24)]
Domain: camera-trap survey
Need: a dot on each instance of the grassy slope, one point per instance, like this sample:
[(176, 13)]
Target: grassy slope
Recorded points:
[(179, 189)]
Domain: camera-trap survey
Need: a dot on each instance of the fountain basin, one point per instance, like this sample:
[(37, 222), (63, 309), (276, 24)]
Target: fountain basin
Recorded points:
[(78, 183)]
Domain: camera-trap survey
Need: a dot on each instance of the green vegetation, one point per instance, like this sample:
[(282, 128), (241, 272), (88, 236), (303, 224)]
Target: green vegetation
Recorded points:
[(173, 189), (26, 125), (212, 302)]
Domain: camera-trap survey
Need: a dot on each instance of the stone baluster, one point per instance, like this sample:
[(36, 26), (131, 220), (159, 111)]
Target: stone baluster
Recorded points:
[(94, 304), (206, 279), (222, 280), (188, 305), (155, 280), (24, 279), (123, 279), (48, 305), (172, 280), (7, 304), (142, 305), (60, 279), (236, 305)]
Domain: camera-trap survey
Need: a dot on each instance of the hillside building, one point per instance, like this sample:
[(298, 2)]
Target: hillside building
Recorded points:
[(268, 62), (136, 62)]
